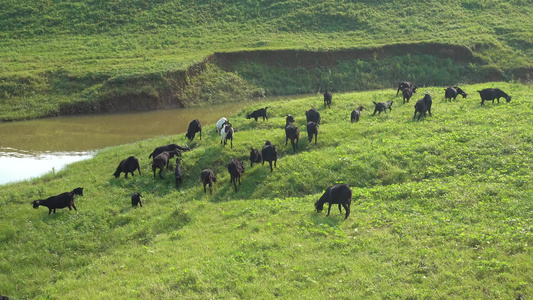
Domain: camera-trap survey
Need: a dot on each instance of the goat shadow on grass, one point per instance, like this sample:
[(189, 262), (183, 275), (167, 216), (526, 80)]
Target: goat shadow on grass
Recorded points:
[(334, 219), (223, 189)]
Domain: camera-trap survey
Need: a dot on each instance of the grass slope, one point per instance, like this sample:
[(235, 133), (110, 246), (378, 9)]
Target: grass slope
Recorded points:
[(58, 52), (441, 209)]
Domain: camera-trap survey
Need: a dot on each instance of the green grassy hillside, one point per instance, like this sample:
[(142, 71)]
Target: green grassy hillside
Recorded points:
[(56, 53), (441, 209)]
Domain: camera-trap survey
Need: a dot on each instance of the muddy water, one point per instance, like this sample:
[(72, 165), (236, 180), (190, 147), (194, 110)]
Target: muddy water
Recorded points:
[(30, 149)]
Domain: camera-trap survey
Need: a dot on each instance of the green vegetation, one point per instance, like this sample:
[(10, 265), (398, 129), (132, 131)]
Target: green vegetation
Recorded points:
[(67, 56), (441, 209)]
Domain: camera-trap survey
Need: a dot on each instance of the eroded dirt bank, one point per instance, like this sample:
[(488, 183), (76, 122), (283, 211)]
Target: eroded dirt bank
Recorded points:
[(169, 90)]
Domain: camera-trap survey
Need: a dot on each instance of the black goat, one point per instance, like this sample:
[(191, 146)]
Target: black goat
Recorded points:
[(338, 194), (356, 114), (312, 115), (291, 132), (407, 93), (208, 177), (382, 106), (493, 94), (262, 112), (128, 165), (226, 133), (423, 105), (452, 92), (2, 297), (194, 127), (406, 84), (235, 169), (177, 172), (163, 160), (168, 148), (312, 129), (60, 201), (327, 98), (255, 156), (136, 200), (270, 154)]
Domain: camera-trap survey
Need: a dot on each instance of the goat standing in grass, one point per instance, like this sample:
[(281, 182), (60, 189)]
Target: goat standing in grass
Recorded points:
[(356, 114), (406, 84), (422, 106), (493, 94), (168, 148), (291, 132), (163, 160), (60, 201), (235, 169), (226, 133), (194, 127), (312, 129), (255, 156), (327, 98), (382, 106), (270, 154), (453, 92), (177, 172), (221, 123), (340, 194), (136, 200), (128, 165), (208, 178), (312, 115)]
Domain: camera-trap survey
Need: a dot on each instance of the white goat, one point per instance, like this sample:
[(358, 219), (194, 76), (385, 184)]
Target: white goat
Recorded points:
[(221, 123)]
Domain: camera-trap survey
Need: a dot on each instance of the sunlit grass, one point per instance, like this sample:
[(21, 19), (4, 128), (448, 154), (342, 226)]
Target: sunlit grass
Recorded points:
[(441, 208)]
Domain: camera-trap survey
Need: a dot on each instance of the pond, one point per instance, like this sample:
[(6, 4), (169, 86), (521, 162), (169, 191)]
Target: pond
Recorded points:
[(29, 149)]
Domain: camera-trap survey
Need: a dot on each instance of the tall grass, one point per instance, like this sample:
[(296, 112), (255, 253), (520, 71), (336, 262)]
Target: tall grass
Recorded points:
[(441, 209)]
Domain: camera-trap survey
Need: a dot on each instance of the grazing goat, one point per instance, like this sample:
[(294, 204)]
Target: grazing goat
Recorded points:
[(168, 148), (226, 133), (407, 94), (208, 177), (270, 154), (128, 165), (60, 201), (493, 94), (356, 114), (262, 112), (235, 169), (382, 106), (327, 98), (177, 172), (312, 115), (423, 105), (194, 127), (406, 84), (163, 160), (2, 297), (255, 156), (452, 92), (136, 200), (312, 129), (337, 194), (291, 132), (221, 123)]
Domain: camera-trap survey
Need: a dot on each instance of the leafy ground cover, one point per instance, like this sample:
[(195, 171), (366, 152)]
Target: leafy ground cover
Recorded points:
[(441, 209)]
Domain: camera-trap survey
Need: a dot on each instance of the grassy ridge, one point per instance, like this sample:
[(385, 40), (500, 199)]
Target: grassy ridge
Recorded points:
[(442, 208), (93, 43)]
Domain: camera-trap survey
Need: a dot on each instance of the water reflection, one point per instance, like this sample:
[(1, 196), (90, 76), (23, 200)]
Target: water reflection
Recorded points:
[(16, 165)]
